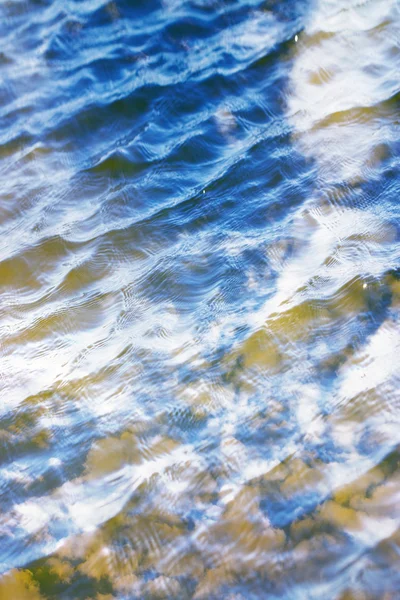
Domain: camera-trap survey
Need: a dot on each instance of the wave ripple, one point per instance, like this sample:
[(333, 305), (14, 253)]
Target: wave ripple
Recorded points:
[(199, 302)]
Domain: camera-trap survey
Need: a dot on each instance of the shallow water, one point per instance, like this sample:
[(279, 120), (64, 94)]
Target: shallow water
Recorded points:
[(199, 305)]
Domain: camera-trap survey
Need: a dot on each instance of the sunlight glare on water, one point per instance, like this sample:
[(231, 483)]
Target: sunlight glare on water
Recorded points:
[(199, 305)]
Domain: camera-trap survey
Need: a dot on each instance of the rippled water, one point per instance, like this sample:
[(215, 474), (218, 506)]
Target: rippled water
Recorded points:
[(200, 293)]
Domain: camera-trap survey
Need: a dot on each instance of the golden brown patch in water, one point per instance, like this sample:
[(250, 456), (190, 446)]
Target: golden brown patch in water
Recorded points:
[(19, 585)]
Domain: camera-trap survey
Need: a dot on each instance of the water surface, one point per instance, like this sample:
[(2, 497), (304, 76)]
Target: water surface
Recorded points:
[(199, 302)]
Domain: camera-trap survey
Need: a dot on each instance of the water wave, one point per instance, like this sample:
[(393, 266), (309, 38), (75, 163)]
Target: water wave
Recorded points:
[(199, 304)]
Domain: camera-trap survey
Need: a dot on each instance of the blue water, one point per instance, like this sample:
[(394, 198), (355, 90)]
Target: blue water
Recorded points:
[(199, 301)]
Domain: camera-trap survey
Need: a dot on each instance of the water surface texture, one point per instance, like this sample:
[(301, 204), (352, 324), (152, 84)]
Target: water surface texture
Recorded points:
[(199, 301)]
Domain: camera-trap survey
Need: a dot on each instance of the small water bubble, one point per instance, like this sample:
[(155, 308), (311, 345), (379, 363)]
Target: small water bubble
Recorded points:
[(296, 38)]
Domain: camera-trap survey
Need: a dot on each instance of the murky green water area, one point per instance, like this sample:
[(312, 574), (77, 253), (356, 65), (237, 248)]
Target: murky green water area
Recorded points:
[(199, 300)]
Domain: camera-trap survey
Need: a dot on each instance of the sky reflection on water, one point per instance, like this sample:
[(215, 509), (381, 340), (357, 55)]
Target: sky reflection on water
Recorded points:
[(199, 306)]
